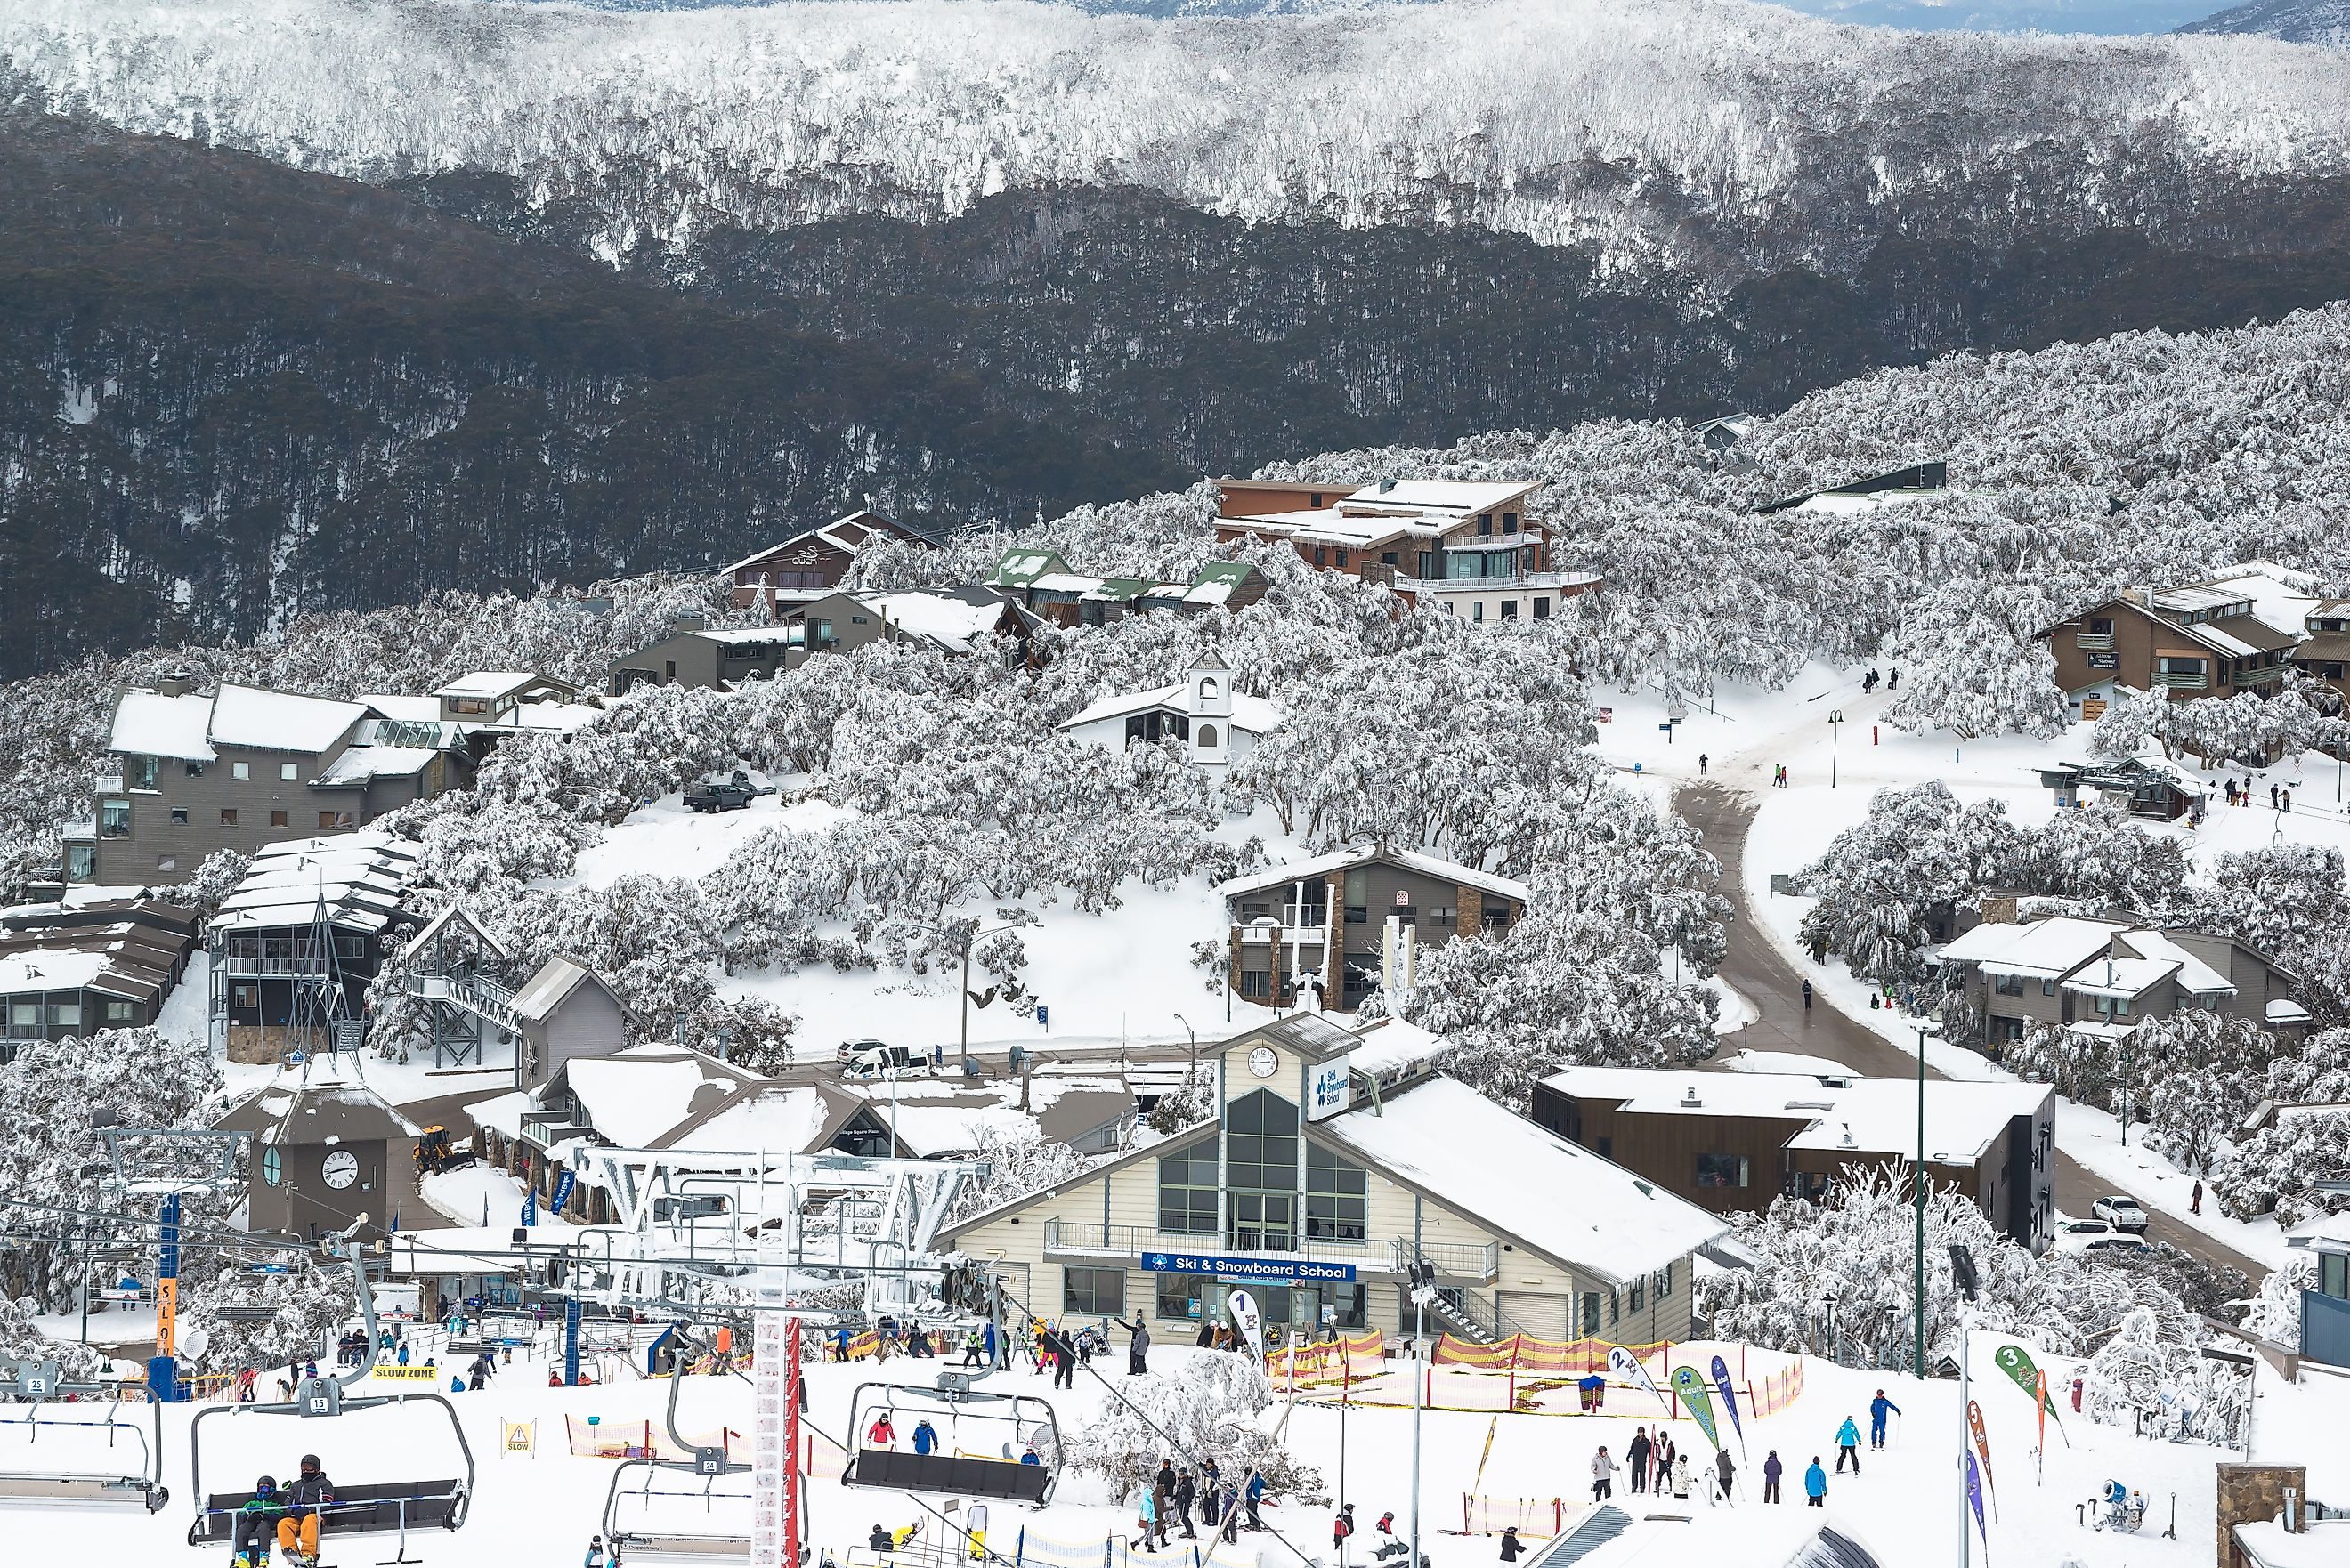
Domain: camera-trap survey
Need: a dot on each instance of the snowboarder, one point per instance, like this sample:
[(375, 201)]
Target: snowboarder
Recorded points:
[(1724, 1472), (2195, 1198), (1848, 1445), (1772, 1470), (256, 1524), (1137, 1348), (1807, 996), (1602, 1475), (1876, 1412), (595, 1555), (298, 1533), (1512, 1548), (880, 1540), (1637, 1454), (926, 1438), (1816, 1485)]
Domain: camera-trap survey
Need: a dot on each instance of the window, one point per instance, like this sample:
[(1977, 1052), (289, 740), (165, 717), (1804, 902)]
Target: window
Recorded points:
[(1722, 1171), (65, 1014), (1509, 522), (120, 1011), (2008, 984), (1209, 689), (1484, 523), (1094, 1290), (465, 706), (1664, 1282), (1639, 1294), (670, 666), (2048, 987), (289, 770), (228, 817), (1496, 916), (114, 819), (277, 819), (1207, 737), (82, 862), (1187, 1189), (824, 632), (336, 819), (25, 1014), (1358, 897), (2009, 1028), (139, 772), (1590, 1312), (273, 1167), (1334, 1197), (858, 620), (1430, 564), (240, 769), (1541, 606), (1261, 1171), (179, 816), (1179, 1296), (167, 863), (1509, 609), (1477, 610), (196, 769), (1341, 560), (244, 995), (1256, 982)]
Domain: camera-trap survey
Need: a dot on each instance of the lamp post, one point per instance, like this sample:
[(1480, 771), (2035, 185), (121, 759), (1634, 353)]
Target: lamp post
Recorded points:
[(1835, 732), (1829, 1301), (1423, 1289), (1918, 1180)]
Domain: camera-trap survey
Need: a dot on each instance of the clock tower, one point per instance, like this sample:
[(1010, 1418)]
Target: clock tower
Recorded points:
[(326, 1150)]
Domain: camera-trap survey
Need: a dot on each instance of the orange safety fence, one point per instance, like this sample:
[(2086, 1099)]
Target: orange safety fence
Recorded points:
[(1777, 1390), (1524, 1353), (1351, 1355), (635, 1441)]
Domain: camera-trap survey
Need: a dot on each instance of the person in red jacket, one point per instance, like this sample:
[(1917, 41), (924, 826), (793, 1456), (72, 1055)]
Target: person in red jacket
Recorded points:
[(881, 1434)]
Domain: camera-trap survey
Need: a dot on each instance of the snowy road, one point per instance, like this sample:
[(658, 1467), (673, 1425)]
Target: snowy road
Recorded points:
[(1754, 967)]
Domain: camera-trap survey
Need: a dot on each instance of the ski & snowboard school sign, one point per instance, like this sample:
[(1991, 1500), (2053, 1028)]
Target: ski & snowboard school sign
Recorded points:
[(1274, 1270)]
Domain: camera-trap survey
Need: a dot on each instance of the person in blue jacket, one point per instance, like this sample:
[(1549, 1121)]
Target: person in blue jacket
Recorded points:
[(1816, 1485), (1848, 1446), (992, 1343), (1255, 1497), (1877, 1411), (926, 1438)]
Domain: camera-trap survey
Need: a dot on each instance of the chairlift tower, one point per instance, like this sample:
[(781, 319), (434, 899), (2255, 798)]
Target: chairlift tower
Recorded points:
[(319, 1003)]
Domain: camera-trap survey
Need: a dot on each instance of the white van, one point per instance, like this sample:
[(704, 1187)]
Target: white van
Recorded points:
[(879, 1060)]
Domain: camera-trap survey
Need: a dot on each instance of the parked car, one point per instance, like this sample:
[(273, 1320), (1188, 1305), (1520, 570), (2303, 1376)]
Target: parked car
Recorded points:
[(718, 797), (851, 1049), (2119, 1241), (2122, 1213), (888, 1061)]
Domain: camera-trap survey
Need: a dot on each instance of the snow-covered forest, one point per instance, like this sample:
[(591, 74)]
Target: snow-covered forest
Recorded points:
[(1654, 130)]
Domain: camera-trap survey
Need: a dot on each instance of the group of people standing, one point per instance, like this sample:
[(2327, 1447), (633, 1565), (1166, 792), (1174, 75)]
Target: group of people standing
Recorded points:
[(1165, 1502)]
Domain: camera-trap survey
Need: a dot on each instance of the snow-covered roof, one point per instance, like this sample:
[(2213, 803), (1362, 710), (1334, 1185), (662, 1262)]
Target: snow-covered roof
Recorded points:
[(2285, 1010), (150, 724), (2195, 977), (2046, 950), (1456, 495), (361, 876), (2120, 977), (1252, 714), (955, 625), (556, 978), (61, 969), (491, 684), (1213, 583), (753, 635), (1496, 1168), (1363, 855), (407, 709), (313, 1105), (358, 764), (636, 1097), (1021, 566), (769, 1119), (849, 532), (1853, 1115), (280, 721), (1390, 1045)]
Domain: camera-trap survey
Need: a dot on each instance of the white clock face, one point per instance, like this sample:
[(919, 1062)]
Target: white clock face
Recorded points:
[(1264, 1062), (341, 1169)]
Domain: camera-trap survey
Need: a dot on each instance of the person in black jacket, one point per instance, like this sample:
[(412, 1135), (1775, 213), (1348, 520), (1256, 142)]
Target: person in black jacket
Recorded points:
[(1186, 1492), (1636, 1455), (1138, 1349), (298, 1533), (1770, 1472), (1511, 1547)]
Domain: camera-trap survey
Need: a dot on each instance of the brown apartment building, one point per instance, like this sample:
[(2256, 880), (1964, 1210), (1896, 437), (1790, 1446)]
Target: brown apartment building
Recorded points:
[(2237, 632), (813, 561), (73, 970), (2110, 976), (1732, 1142), (1475, 547), (1338, 926), (693, 653)]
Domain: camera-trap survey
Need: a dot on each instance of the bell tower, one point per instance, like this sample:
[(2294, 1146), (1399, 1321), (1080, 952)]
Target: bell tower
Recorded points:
[(1209, 698)]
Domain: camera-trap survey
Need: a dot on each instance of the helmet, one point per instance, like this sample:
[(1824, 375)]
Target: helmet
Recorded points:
[(309, 1462), (266, 1484)]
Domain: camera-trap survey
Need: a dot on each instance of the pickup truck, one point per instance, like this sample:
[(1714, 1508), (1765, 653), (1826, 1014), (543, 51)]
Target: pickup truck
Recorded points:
[(729, 796)]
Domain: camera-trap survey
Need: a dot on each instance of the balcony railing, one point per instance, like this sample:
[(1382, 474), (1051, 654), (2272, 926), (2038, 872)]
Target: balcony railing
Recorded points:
[(2262, 677), (476, 993), (2182, 680), (1459, 1260), (2094, 642)]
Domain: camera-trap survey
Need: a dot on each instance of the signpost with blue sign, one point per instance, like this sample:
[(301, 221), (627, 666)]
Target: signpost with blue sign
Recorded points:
[(1272, 1271)]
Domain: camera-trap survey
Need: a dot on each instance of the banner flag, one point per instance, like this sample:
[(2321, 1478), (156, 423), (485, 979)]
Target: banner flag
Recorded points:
[(2040, 1454), (1691, 1388), (1730, 1402), (1974, 1496), (2017, 1363), (1242, 1306), (1627, 1368), (1982, 1446)]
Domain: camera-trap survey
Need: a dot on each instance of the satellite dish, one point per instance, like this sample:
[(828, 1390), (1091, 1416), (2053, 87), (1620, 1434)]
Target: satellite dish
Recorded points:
[(194, 1343)]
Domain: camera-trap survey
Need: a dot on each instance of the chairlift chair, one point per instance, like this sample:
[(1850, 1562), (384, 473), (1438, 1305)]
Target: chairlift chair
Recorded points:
[(958, 1468), (124, 1484), (369, 1509), (716, 1530)]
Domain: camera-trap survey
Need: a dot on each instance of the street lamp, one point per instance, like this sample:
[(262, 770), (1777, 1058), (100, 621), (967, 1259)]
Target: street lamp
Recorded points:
[(1835, 732), (1424, 1290), (1192, 1069), (1829, 1301), (1918, 1179)]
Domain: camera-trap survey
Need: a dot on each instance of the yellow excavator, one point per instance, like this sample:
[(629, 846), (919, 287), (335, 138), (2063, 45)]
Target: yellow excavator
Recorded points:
[(435, 1153)]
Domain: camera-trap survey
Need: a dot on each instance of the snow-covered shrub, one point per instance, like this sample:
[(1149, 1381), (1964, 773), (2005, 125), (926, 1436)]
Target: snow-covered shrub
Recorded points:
[(2142, 1374), (1019, 1161), (1970, 664), (1882, 880), (2274, 1313), (2277, 1169), (22, 1340), (311, 1303), (1213, 1405)]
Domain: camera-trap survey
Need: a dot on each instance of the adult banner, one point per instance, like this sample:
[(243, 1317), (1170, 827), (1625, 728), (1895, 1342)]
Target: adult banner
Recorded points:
[(1729, 1401), (1974, 1496), (2017, 1363), (1982, 1446), (1626, 1367), (1691, 1388), (1242, 1306)]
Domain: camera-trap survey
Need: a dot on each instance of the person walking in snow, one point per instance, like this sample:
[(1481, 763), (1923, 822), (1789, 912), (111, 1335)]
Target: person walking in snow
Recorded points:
[(1893, 681), (1876, 1412), (1807, 996), (1848, 1445), (1680, 1476), (1772, 1470), (2195, 1199), (2272, 797), (1724, 1472), (1602, 1475), (1511, 1547), (1701, 764), (2288, 800), (1816, 1485), (1638, 1456), (1146, 1519)]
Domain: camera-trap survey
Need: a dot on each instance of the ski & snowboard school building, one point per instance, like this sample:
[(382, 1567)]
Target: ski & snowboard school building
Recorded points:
[(1333, 1161)]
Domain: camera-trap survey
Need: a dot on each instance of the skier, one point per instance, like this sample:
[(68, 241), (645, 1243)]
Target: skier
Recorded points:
[(595, 1555), (1065, 1360), (1848, 1446), (926, 1438), (1680, 1476), (1512, 1548), (256, 1523), (881, 1434), (1816, 1485), (2195, 1204), (1877, 1411), (298, 1533), (971, 1345), (1724, 1472), (1341, 1528), (1138, 1347), (1772, 1470), (1638, 1453), (1602, 1475)]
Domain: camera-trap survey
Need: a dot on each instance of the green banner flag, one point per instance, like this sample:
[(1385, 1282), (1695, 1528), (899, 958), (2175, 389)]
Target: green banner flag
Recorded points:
[(1691, 1388), (2017, 1363)]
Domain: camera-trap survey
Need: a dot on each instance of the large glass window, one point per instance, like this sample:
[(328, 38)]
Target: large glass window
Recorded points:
[(1099, 1291), (1261, 1169), (139, 772), (1334, 1196), (1722, 1171), (1179, 1296), (114, 819), (1187, 1189)]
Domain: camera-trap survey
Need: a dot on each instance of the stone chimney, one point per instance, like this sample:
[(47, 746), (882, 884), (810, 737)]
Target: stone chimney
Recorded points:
[(177, 683), (2249, 1494), (1998, 908)]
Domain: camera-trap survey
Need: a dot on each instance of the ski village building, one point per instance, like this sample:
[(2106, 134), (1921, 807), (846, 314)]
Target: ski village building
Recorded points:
[(812, 562), (109, 964), (1734, 1142), (956, 621), (296, 940), (326, 1150), (1473, 547), (2240, 631), (1217, 726), (1331, 1163), (2109, 976), (1041, 582), (1337, 926)]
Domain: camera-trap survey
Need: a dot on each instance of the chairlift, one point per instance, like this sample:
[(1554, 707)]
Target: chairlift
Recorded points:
[(116, 1485), (969, 1421), (380, 1508), (716, 1505)]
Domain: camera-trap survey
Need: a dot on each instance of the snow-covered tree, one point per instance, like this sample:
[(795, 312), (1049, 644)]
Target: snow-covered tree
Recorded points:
[(1879, 884), (22, 1340), (1971, 664), (311, 1303), (2141, 1371), (1018, 1161), (2277, 1169), (1218, 1406)]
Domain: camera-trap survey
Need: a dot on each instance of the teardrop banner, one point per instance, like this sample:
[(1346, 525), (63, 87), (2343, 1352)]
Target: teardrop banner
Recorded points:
[(1626, 1367), (2017, 1363), (1730, 1402), (1974, 1496), (1982, 1446), (1691, 1388)]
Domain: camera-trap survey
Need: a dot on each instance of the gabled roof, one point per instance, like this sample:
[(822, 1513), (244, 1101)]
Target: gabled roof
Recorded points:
[(310, 1105), (151, 724), (1254, 714), (361, 877), (1021, 564), (2045, 950), (1363, 855), (849, 533), (280, 721), (554, 983)]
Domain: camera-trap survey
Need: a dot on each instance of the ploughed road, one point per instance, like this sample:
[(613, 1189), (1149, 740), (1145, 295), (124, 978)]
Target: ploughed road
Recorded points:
[(1756, 970)]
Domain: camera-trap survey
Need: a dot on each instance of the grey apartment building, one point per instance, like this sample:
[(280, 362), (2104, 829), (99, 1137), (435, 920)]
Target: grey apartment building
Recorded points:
[(193, 772)]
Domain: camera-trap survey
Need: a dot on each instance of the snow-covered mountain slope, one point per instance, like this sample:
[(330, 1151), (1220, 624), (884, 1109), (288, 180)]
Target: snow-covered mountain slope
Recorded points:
[(1664, 132), (2296, 21)]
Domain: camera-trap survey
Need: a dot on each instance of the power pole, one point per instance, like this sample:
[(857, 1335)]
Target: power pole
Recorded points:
[(1919, 1180)]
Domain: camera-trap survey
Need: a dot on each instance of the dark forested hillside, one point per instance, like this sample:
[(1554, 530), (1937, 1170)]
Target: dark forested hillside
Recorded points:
[(229, 391)]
